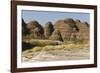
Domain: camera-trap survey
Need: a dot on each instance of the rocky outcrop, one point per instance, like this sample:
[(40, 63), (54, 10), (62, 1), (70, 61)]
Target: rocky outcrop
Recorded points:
[(48, 29), (67, 28), (36, 30), (84, 31), (25, 30), (62, 30)]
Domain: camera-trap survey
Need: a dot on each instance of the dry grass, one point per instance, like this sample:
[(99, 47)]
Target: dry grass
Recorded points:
[(47, 45), (60, 47), (48, 52), (38, 42)]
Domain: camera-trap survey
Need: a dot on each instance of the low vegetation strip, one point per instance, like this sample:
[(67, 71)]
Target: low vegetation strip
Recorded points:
[(60, 47), (38, 42)]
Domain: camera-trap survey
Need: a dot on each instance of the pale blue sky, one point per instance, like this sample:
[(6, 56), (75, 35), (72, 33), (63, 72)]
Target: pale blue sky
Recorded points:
[(44, 16)]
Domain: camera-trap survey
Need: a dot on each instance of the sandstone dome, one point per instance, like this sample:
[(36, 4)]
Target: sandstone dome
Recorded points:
[(48, 29), (34, 24), (62, 26)]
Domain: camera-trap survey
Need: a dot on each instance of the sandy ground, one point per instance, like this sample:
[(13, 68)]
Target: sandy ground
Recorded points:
[(55, 55)]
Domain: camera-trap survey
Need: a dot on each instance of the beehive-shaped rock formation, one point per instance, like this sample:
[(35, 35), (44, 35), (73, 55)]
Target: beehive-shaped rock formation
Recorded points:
[(83, 33), (36, 30), (48, 29), (67, 28)]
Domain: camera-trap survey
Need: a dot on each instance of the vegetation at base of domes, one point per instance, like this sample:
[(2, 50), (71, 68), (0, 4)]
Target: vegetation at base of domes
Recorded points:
[(59, 47)]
